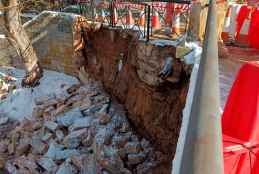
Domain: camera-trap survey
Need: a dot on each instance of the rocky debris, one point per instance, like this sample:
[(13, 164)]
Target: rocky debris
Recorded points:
[(3, 120), (80, 131)]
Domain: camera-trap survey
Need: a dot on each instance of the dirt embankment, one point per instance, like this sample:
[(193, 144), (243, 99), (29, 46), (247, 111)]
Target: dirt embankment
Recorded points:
[(154, 105)]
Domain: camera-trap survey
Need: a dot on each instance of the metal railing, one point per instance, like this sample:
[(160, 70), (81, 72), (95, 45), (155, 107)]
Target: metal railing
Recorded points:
[(202, 151), (140, 10)]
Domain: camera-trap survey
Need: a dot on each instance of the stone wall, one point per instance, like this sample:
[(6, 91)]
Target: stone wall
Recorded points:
[(154, 104)]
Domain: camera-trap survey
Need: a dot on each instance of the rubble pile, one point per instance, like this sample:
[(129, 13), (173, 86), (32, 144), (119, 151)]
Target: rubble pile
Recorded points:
[(80, 131)]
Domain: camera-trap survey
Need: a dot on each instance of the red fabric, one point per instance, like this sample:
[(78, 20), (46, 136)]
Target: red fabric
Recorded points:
[(253, 34), (242, 15)]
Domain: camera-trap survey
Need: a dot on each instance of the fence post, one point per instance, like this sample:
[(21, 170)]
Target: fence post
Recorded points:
[(148, 21), (202, 153)]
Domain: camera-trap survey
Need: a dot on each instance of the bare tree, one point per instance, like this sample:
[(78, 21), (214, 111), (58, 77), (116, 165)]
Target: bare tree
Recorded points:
[(20, 40)]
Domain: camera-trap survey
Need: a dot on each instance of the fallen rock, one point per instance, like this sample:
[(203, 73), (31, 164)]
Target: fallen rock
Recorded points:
[(48, 164), (104, 118), (37, 145), (3, 120), (59, 135), (73, 139), (134, 159), (132, 147), (81, 123), (69, 117), (66, 168), (52, 126)]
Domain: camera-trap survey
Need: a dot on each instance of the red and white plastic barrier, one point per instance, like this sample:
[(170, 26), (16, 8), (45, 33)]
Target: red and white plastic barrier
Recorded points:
[(242, 25)]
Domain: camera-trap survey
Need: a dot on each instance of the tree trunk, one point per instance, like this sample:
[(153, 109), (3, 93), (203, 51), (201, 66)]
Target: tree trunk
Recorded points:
[(19, 38)]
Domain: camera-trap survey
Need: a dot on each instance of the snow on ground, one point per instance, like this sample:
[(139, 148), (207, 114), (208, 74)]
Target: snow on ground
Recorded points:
[(19, 104)]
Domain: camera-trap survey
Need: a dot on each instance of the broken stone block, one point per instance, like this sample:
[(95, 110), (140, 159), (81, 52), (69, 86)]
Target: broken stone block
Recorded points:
[(134, 159), (51, 125), (81, 123), (47, 136), (113, 165), (3, 120), (125, 127), (23, 147), (73, 139), (104, 136), (38, 111), (119, 141), (132, 147), (11, 168), (54, 148), (66, 168), (69, 117), (56, 152), (87, 141), (104, 118), (64, 154), (26, 163), (145, 167), (37, 145), (37, 125), (48, 164), (59, 135), (144, 143)]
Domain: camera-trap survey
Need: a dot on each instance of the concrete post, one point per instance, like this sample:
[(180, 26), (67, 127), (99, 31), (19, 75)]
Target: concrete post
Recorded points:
[(202, 152)]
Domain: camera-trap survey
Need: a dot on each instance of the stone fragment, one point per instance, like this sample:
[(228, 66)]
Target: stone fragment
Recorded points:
[(87, 141), (48, 164), (73, 139), (27, 163), (104, 136), (59, 135), (23, 147), (69, 117), (119, 141), (132, 147), (144, 143), (37, 125), (81, 123), (134, 159), (37, 145), (54, 148), (125, 127), (145, 167), (47, 136), (66, 168), (3, 120), (63, 155), (52, 126), (104, 118), (3, 146)]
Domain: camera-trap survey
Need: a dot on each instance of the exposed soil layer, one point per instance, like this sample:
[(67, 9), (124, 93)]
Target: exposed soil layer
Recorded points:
[(154, 105)]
